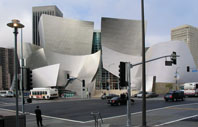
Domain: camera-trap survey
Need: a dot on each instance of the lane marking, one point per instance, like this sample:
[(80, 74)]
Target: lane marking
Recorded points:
[(113, 117), (195, 109), (28, 113), (176, 120), (63, 119)]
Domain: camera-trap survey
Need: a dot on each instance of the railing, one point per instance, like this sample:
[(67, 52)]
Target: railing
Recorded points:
[(96, 117)]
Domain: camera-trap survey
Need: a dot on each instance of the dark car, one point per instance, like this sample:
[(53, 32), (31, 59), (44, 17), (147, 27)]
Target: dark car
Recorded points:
[(151, 94), (122, 100), (174, 96), (148, 94), (104, 96), (135, 95)]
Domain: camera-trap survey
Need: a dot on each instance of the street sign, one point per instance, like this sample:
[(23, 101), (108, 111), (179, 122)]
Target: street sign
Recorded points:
[(194, 70)]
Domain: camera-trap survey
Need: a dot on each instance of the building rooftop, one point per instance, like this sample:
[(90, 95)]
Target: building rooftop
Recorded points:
[(183, 26)]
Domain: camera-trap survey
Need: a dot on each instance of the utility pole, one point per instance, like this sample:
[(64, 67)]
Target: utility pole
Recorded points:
[(128, 77), (143, 69)]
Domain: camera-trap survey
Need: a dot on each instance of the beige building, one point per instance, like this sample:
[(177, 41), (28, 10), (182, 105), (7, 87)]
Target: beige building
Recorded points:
[(6, 68), (188, 34)]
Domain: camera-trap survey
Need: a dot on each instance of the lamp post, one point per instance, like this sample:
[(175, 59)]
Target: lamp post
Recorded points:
[(16, 24), (143, 68)]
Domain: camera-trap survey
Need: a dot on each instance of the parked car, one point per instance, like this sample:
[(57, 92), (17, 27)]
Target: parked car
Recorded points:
[(104, 96), (148, 94), (151, 94), (135, 95), (121, 100), (174, 96)]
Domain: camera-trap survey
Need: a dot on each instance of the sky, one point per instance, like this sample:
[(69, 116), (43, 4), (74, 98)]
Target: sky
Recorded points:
[(160, 15)]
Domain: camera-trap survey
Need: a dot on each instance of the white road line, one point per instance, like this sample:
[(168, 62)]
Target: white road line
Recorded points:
[(176, 120), (7, 110), (104, 118), (146, 111), (45, 116), (63, 119)]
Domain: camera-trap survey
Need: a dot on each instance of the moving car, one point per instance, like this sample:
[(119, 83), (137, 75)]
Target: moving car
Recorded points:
[(151, 94), (174, 96), (121, 100), (148, 94), (104, 96)]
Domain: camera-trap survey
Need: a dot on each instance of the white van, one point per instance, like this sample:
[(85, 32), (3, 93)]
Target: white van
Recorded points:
[(191, 89), (6, 93)]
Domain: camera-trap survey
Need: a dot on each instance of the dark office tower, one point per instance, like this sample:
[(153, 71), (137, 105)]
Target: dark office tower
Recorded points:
[(96, 45), (36, 14), (6, 68)]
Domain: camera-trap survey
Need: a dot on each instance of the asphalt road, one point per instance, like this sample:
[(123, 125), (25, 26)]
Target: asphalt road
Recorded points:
[(80, 110)]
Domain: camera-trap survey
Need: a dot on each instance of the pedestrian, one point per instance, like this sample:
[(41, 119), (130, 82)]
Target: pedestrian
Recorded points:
[(38, 116), (89, 94)]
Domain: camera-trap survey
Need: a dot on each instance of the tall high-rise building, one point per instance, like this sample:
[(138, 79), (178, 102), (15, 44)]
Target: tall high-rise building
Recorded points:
[(6, 68), (188, 34), (36, 14)]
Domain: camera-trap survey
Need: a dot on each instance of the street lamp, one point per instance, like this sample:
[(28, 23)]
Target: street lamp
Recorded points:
[(143, 68), (16, 24)]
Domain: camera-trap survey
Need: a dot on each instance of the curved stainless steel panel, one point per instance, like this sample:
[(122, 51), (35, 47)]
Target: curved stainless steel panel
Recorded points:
[(167, 73), (66, 36), (45, 76), (36, 59), (122, 35)]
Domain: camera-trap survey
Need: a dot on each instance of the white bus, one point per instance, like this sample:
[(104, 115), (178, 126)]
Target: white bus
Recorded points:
[(43, 93), (6, 93), (191, 89)]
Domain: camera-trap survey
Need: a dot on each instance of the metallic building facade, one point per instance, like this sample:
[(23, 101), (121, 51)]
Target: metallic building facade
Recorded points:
[(166, 74), (66, 36), (6, 68), (36, 14), (104, 79), (188, 34), (121, 41)]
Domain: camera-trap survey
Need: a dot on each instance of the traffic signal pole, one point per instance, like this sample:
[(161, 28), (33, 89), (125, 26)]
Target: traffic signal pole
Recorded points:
[(173, 55), (128, 75), (132, 65), (125, 80)]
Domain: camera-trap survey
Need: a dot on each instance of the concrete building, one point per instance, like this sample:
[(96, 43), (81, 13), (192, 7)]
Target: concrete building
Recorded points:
[(6, 68), (36, 14), (188, 34)]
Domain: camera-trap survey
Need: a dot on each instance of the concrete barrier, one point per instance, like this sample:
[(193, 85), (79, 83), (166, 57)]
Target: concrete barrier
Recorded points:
[(8, 119)]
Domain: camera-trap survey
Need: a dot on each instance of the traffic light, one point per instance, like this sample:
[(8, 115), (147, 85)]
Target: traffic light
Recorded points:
[(83, 83), (68, 76), (174, 58), (29, 79), (188, 69), (122, 74)]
